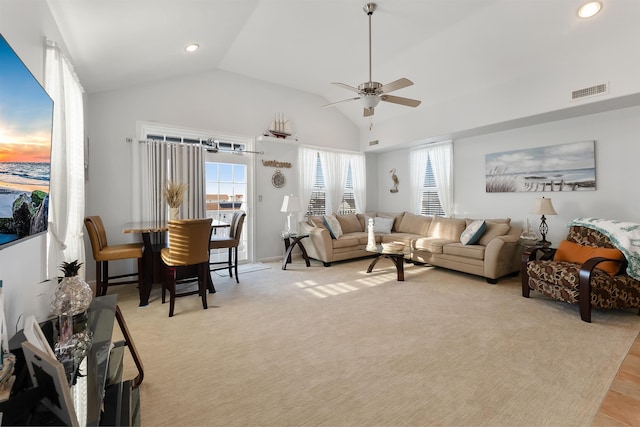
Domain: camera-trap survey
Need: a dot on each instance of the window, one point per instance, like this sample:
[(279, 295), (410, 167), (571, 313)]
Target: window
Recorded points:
[(348, 204), (317, 205), (430, 200)]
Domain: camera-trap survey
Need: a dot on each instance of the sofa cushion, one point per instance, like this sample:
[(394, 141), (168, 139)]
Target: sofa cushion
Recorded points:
[(472, 233), (332, 224), (446, 228), (467, 251), (414, 224), (494, 229), (579, 254), (431, 244), (346, 240), (397, 217), (349, 223)]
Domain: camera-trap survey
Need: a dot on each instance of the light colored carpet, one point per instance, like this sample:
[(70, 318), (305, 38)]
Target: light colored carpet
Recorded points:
[(243, 269), (338, 347)]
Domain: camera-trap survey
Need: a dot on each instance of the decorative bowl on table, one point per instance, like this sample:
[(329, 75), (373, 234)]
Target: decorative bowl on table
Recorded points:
[(393, 247)]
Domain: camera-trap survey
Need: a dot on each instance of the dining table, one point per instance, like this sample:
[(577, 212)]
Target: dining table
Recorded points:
[(152, 239)]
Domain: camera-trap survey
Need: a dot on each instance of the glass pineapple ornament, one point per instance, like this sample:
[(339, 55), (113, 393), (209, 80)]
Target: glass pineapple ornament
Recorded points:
[(73, 295)]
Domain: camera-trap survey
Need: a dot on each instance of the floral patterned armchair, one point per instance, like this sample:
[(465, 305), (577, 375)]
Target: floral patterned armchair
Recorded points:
[(580, 283)]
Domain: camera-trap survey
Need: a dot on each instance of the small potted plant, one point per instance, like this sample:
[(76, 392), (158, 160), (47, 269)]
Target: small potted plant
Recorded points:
[(173, 193)]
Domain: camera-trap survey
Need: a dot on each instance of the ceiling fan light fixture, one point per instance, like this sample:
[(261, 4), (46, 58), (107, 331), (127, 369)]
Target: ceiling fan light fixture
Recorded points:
[(370, 101)]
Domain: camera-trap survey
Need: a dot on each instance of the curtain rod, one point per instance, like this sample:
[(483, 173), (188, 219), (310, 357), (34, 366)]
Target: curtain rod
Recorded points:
[(210, 146)]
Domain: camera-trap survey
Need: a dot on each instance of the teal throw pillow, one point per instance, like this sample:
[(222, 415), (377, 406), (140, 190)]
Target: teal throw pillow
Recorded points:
[(473, 232)]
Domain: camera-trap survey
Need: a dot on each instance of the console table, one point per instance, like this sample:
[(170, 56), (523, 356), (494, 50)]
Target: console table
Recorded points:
[(101, 396)]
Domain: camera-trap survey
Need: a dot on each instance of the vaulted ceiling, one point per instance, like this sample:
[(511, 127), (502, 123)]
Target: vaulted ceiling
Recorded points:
[(446, 47)]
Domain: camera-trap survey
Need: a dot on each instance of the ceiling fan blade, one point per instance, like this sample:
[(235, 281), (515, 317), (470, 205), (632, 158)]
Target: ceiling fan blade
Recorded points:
[(400, 100), (368, 112), (398, 84), (344, 100), (351, 88)]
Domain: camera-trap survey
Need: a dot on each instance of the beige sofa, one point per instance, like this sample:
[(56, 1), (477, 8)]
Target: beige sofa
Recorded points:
[(432, 240)]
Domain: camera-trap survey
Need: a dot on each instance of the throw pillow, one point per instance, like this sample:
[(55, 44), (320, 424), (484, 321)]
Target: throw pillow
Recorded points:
[(579, 254), (349, 223), (494, 229), (382, 225), (472, 233), (332, 224)]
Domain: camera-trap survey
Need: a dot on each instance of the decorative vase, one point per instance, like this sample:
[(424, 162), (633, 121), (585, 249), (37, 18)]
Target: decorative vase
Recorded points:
[(70, 303), (173, 213)]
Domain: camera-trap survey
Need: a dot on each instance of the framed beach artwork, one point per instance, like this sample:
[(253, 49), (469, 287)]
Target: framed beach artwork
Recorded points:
[(26, 123), (564, 167)]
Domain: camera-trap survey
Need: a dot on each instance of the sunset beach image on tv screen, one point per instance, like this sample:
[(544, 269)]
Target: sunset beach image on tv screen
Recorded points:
[(26, 115)]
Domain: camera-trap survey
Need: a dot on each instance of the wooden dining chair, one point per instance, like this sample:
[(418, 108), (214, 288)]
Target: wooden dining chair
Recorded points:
[(230, 242), (103, 253), (188, 246)]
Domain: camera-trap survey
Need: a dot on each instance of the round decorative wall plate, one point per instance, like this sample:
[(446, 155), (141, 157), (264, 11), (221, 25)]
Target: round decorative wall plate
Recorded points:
[(278, 180)]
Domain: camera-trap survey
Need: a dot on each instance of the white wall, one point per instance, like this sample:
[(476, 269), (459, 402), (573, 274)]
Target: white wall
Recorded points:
[(215, 101), (617, 195), (25, 24)]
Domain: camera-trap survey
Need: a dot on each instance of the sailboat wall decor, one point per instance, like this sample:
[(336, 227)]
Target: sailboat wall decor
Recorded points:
[(280, 126)]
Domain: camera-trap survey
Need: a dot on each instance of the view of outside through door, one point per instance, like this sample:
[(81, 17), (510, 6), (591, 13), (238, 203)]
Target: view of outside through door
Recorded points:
[(226, 188)]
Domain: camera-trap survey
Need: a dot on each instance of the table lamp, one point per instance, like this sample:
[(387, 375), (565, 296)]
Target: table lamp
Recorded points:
[(543, 207), (291, 205)]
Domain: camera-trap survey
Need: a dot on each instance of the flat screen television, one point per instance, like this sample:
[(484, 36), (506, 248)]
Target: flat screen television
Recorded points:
[(26, 121)]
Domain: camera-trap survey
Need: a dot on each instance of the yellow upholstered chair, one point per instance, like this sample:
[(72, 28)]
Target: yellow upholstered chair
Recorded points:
[(188, 246), (103, 253), (231, 242)]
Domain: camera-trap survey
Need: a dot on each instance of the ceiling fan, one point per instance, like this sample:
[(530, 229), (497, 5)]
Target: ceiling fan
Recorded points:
[(371, 93)]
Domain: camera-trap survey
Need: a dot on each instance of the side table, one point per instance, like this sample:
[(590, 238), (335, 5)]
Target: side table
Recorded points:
[(290, 241)]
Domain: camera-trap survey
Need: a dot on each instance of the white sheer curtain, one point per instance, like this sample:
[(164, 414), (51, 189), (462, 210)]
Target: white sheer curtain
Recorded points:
[(149, 160), (307, 174), (187, 167), (66, 204), (359, 181), (335, 167), (441, 156), (418, 168)]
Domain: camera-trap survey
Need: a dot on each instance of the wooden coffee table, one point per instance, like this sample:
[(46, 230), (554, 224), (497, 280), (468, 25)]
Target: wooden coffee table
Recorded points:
[(396, 257)]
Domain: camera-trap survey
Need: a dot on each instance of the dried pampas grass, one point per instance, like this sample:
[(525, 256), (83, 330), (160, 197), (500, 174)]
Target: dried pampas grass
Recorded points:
[(173, 193)]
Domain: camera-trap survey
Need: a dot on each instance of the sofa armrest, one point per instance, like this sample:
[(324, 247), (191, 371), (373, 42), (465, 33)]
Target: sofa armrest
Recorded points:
[(502, 256), (318, 245)]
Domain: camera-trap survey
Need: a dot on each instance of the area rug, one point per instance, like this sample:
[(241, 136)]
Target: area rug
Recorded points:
[(244, 268), (336, 346)]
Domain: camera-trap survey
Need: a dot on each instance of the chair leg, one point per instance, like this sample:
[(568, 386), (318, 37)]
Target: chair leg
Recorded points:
[(172, 290), (235, 261), (98, 278), (105, 278), (229, 263), (202, 283)]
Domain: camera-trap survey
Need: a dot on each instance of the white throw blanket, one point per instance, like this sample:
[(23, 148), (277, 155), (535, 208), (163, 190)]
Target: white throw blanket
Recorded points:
[(624, 235)]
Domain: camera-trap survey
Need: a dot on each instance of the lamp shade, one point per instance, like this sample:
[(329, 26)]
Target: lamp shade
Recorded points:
[(543, 206), (291, 204)]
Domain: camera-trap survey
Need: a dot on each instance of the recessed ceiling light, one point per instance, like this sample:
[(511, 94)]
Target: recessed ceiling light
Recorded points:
[(587, 10), (192, 47)]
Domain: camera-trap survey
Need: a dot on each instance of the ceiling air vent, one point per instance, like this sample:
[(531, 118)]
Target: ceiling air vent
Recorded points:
[(590, 91), (371, 143)]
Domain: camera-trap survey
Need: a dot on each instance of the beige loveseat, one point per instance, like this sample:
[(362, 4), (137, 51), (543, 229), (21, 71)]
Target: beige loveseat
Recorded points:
[(432, 240)]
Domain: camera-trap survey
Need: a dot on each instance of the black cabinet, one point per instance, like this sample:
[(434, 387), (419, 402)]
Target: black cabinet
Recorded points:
[(99, 393)]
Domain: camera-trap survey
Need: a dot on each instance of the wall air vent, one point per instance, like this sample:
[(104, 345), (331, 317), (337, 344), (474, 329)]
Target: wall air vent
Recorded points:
[(590, 91), (372, 143)]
